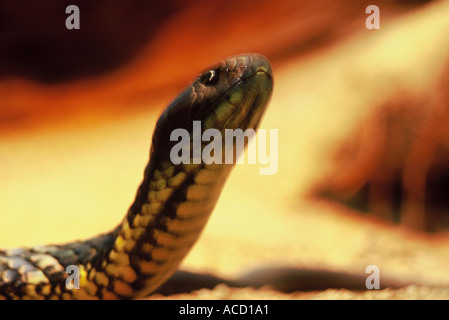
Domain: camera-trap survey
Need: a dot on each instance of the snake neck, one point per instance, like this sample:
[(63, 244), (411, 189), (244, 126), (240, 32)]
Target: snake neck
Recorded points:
[(172, 206)]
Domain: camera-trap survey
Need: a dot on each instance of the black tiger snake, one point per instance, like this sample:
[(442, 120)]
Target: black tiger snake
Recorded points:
[(171, 207)]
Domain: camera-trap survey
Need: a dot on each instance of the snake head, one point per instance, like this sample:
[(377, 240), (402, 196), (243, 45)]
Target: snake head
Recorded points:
[(233, 93)]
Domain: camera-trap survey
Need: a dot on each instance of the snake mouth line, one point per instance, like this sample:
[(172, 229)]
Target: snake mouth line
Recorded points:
[(260, 95), (241, 81)]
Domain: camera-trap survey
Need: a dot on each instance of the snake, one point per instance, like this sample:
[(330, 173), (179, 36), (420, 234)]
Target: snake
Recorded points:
[(171, 207)]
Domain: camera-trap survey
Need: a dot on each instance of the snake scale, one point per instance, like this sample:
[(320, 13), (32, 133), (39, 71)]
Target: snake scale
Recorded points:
[(171, 207)]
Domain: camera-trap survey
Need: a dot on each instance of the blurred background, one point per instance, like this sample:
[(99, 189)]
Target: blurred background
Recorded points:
[(362, 118)]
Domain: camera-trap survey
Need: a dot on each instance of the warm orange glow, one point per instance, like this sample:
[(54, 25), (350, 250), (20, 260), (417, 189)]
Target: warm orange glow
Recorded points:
[(352, 107)]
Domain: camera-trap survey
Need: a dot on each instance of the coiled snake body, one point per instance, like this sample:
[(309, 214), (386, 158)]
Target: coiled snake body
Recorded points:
[(171, 207)]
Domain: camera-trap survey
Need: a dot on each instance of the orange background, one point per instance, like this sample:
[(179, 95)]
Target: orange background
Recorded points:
[(74, 144)]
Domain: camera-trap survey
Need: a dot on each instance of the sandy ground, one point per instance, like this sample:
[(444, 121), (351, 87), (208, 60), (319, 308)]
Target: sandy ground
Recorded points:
[(76, 179)]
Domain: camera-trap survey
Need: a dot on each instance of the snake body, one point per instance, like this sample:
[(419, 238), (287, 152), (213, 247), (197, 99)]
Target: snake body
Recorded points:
[(171, 207)]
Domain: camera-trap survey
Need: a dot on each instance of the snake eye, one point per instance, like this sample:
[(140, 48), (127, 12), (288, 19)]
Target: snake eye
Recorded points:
[(209, 78)]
